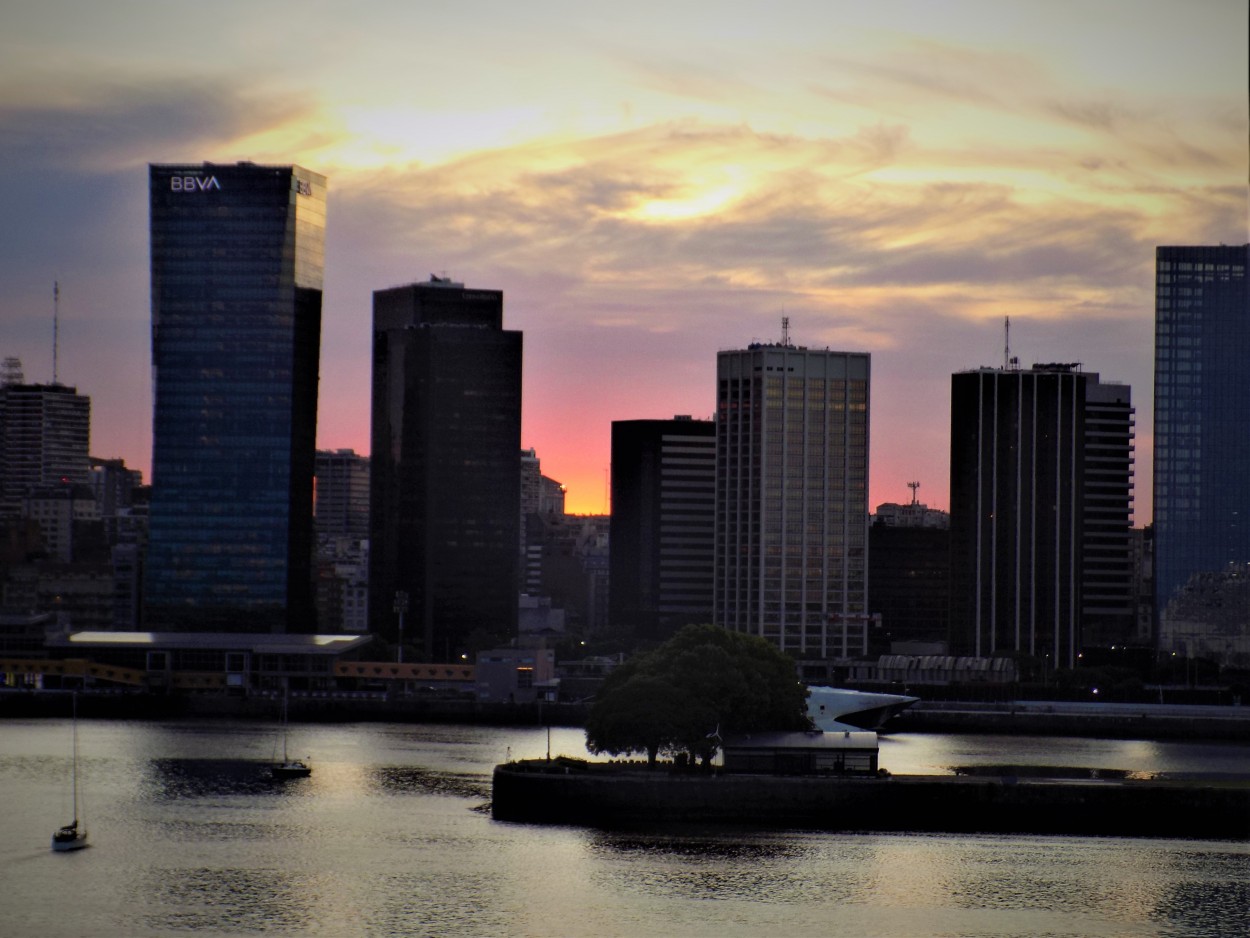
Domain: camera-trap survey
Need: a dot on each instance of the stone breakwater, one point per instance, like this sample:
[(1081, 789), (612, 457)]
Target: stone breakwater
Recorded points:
[(605, 796), (1059, 718)]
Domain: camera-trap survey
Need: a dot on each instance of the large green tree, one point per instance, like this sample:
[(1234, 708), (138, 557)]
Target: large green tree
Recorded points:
[(703, 683)]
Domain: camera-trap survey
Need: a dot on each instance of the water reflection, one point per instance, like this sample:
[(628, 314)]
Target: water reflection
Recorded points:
[(172, 779), (387, 838), (402, 779), (751, 867), (227, 900)]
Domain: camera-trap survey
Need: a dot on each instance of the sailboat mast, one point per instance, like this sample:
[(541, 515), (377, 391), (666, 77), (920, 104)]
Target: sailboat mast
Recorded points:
[(75, 781)]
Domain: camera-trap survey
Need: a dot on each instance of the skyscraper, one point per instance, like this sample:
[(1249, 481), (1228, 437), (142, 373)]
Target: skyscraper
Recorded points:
[(445, 468), (1201, 426), (45, 432), (342, 494), (1041, 487), (237, 265), (663, 487), (792, 496)]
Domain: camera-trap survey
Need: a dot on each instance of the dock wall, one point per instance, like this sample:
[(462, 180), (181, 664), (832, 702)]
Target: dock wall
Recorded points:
[(526, 792)]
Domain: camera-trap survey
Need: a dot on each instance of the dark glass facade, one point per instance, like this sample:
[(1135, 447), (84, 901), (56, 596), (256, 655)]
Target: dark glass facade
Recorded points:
[(909, 576), (237, 266), (663, 486), (1016, 513), (1202, 414), (1041, 486), (445, 468)]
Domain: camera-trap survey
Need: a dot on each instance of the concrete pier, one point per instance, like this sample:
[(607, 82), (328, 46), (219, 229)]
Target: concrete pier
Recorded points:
[(606, 796)]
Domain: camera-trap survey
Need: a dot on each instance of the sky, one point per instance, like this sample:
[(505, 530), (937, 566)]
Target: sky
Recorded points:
[(648, 183)]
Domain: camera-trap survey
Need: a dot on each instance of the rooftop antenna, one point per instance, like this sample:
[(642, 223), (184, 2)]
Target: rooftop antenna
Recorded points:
[(785, 330), (914, 486), (56, 309), (1006, 342)]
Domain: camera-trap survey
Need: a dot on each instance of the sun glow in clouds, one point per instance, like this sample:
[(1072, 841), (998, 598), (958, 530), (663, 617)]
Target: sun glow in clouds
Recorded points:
[(702, 201)]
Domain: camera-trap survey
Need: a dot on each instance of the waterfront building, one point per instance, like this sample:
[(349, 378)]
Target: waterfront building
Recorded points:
[(1201, 434), (342, 504), (45, 435), (1041, 489), (237, 266), (662, 545), (445, 483), (516, 675), (791, 524)]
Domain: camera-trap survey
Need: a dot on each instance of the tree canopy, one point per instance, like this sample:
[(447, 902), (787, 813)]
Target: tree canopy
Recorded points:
[(702, 683)]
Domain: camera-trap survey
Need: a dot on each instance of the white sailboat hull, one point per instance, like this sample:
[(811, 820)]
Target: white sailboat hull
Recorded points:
[(69, 838)]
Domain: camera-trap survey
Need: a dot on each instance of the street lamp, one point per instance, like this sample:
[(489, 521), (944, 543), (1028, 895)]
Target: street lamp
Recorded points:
[(401, 606)]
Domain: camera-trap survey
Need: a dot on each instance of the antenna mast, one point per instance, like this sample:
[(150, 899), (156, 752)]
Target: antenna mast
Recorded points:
[(914, 486), (785, 330), (1006, 342), (56, 309)]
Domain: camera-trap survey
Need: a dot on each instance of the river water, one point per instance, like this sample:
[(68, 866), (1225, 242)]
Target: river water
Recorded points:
[(391, 836)]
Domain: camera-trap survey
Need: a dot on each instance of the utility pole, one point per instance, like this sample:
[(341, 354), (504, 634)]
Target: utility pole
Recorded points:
[(401, 606)]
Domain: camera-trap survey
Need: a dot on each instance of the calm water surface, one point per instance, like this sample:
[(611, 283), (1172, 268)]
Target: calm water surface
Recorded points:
[(391, 836)]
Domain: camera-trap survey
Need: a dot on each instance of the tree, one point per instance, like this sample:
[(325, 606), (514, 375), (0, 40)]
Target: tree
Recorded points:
[(702, 683)]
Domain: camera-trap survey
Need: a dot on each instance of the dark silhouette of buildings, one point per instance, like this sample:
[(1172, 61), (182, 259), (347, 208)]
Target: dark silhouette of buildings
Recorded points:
[(45, 432), (1201, 439), (445, 468), (1041, 487), (237, 266), (909, 579), (662, 545), (342, 505)]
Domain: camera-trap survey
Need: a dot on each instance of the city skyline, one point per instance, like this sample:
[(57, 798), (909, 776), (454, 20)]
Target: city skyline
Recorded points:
[(647, 188)]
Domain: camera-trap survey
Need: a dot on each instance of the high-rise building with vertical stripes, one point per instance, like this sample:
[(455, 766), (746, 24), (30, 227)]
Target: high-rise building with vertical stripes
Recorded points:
[(1040, 494), (791, 519)]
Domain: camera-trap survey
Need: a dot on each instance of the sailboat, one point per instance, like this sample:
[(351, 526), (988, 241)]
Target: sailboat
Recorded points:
[(288, 767), (72, 836)]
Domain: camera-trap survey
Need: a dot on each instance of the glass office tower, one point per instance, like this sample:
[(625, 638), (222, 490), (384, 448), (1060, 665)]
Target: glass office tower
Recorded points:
[(445, 469), (1201, 429), (237, 266)]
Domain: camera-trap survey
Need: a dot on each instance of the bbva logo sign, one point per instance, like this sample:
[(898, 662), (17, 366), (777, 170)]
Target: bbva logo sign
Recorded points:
[(193, 183)]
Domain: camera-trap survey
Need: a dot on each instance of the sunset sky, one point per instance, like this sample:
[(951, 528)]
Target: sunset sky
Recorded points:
[(648, 183)]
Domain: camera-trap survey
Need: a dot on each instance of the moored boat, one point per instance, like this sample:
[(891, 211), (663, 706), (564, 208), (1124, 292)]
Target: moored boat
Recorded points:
[(72, 836), (288, 767)]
